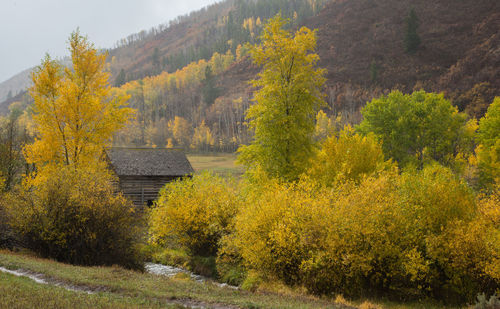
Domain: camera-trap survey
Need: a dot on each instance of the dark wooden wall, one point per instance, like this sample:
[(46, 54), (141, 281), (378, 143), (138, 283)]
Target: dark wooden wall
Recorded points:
[(143, 189)]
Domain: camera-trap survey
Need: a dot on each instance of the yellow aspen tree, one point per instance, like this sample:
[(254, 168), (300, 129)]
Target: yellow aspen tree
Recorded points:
[(203, 138), (181, 130), (75, 114), (287, 101)]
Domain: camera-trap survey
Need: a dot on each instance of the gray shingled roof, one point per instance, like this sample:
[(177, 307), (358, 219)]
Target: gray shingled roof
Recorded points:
[(149, 162)]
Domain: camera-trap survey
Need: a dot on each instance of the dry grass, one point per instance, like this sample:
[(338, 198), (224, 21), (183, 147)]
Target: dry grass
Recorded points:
[(221, 163)]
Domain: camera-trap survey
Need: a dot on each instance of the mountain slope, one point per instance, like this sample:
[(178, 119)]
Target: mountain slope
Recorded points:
[(360, 43), (460, 45)]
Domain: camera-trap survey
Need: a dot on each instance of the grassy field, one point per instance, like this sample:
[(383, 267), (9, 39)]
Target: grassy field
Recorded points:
[(122, 288), (221, 163)]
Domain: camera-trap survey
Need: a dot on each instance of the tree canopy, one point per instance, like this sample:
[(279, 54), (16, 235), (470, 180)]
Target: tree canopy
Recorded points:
[(287, 100), (414, 128), (488, 151), (75, 115)]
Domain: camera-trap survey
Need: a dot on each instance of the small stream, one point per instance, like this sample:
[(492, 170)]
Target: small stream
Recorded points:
[(151, 268), (170, 271), (156, 269)]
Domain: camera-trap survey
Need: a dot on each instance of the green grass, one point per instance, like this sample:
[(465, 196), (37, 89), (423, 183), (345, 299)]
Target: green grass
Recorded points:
[(131, 289), (20, 292), (126, 289), (221, 163)]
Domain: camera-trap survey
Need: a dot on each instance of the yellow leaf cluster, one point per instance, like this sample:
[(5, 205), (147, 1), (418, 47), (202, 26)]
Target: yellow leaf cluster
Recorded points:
[(75, 114), (195, 213), (347, 157), (391, 233)]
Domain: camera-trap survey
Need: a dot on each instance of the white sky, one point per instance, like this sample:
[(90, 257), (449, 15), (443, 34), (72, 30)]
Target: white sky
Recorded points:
[(31, 28)]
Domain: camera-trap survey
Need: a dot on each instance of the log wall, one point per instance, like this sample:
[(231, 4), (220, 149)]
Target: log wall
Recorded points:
[(143, 190)]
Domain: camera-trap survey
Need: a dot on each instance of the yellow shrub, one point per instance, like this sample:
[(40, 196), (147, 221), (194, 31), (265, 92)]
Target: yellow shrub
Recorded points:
[(348, 156), (469, 252), (382, 234), (488, 159), (75, 216), (279, 227), (412, 235), (195, 213), (363, 233)]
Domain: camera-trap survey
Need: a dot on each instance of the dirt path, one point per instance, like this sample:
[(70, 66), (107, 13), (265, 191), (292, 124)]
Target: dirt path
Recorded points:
[(187, 303)]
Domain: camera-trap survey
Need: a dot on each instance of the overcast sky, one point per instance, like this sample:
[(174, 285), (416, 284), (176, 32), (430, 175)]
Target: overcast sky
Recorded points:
[(31, 28)]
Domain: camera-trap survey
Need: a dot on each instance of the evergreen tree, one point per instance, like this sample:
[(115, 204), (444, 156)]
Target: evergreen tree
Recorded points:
[(412, 39), (210, 91), (121, 78), (373, 71), (156, 61)]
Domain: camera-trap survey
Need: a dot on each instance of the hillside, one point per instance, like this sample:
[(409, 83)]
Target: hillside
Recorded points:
[(14, 85), (460, 49), (360, 43)]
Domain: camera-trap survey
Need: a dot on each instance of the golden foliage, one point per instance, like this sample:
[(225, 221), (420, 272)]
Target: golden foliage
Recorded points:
[(75, 114), (75, 216), (182, 131), (288, 97), (279, 226), (421, 233), (202, 138), (194, 212), (347, 157)]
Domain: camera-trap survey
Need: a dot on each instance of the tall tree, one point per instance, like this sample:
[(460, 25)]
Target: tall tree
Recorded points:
[(75, 114), (488, 151), (412, 39), (287, 100), (121, 78), (156, 61), (12, 138), (210, 90)]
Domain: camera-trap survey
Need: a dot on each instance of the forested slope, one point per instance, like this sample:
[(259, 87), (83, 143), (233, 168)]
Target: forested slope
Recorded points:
[(360, 42)]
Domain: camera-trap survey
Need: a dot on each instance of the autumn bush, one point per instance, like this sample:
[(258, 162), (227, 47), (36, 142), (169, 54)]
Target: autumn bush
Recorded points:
[(347, 156), (194, 213), (278, 227), (75, 216), (411, 235)]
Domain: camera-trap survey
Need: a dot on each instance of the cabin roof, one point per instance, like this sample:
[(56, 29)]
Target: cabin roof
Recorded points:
[(149, 162)]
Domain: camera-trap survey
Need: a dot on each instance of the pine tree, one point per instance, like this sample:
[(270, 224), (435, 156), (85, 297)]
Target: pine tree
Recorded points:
[(373, 71), (412, 40), (210, 91), (121, 78)]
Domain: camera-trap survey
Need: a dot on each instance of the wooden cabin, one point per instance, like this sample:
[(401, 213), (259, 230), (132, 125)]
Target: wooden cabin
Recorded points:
[(142, 172)]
